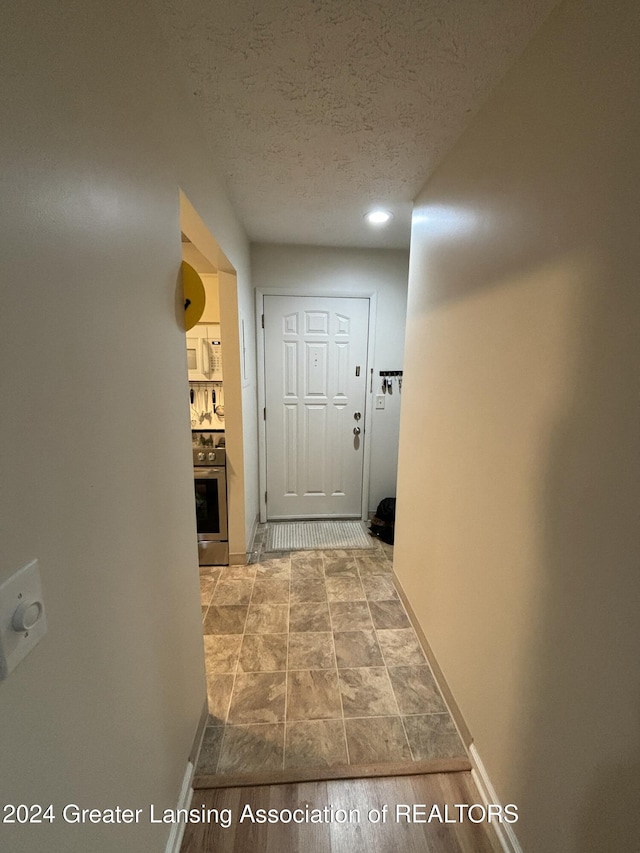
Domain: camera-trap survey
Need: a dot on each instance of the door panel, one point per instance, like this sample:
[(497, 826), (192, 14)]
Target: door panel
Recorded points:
[(312, 348)]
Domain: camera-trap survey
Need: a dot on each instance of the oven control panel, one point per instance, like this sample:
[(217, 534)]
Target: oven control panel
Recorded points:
[(208, 449), (209, 457)]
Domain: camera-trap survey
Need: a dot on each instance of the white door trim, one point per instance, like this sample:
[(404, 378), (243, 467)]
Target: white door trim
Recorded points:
[(368, 416)]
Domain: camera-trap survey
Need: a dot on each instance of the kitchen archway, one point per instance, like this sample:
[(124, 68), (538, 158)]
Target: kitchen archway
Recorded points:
[(204, 251)]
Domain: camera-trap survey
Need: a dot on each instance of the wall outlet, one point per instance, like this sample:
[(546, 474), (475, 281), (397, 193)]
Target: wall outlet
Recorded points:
[(23, 622), (380, 400)]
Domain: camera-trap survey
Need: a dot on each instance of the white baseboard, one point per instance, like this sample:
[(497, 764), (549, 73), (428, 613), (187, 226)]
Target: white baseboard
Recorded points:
[(504, 831), (184, 801)]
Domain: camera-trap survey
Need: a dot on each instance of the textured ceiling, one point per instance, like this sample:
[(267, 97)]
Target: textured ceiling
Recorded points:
[(315, 110)]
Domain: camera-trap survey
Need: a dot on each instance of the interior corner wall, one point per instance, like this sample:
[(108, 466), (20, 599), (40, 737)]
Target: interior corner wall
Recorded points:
[(517, 539), (96, 141), (316, 269), (211, 314)]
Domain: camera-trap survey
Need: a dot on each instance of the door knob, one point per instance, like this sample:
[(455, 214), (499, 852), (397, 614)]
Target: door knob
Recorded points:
[(356, 430)]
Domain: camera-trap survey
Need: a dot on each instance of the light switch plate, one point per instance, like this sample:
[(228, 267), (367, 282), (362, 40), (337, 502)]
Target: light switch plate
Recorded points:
[(380, 398), (23, 621)]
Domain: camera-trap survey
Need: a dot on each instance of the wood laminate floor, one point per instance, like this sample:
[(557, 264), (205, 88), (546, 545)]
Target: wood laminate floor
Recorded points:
[(359, 836)]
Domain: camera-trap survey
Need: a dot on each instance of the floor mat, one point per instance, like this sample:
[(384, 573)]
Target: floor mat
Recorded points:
[(317, 535)]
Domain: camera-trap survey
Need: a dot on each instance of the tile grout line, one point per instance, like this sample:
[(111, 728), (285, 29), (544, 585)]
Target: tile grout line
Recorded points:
[(386, 669), (335, 657), (375, 630), (404, 728), (286, 674), (205, 662), (412, 626), (213, 589), (227, 723), (204, 619)]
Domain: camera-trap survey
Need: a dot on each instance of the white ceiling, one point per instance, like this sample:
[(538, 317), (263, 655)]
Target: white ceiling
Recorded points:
[(315, 110)]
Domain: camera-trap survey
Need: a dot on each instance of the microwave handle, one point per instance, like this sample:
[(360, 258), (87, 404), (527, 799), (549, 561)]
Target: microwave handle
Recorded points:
[(215, 373), (206, 359)]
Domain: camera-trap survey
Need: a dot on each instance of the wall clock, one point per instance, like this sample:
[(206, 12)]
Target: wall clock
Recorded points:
[(194, 296)]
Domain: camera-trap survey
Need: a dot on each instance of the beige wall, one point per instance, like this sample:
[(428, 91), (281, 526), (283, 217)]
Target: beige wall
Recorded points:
[(211, 312), (96, 140), (517, 537), (316, 269)]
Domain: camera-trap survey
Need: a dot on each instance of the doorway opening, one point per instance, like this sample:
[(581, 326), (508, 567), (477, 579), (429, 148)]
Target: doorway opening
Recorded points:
[(202, 251)]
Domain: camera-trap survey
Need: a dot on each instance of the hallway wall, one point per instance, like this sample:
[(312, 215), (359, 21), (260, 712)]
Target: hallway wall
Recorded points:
[(316, 269), (517, 538), (95, 142)]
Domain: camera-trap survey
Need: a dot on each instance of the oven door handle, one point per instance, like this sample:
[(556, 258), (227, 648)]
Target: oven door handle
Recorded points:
[(208, 473)]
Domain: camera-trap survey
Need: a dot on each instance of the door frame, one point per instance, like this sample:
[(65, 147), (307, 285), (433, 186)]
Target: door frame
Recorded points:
[(261, 292), (194, 227)]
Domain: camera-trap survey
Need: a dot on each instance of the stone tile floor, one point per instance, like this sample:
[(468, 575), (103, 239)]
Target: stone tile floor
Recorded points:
[(311, 662)]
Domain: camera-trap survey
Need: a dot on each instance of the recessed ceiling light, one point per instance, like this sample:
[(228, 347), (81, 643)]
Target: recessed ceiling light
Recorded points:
[(378, 217)]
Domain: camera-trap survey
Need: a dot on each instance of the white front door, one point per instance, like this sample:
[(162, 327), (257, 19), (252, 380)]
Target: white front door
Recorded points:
[(315, 390)]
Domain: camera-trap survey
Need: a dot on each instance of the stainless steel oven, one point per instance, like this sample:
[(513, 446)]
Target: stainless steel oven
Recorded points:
[(210, 479)]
